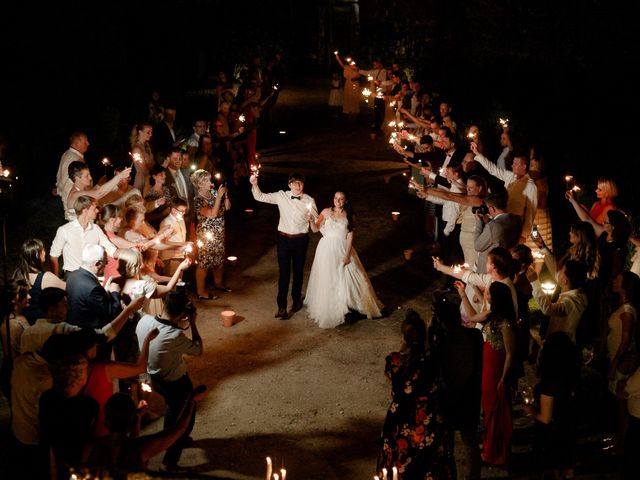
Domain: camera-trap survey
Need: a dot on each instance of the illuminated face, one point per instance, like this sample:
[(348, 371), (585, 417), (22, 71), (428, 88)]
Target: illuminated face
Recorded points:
[(93, 211), (296, 187), (200, 127), (573, 238), (519, 166), (504, 140), (115, 222), (81, 144), (145, 134), (444, 109), (472, 188), (175, 161), (85, 178), (601, 191), (160, 178), (339, 200), (138, 221), (205, 184)]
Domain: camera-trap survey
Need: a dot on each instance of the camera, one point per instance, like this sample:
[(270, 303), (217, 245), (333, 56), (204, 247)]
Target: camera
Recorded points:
[(480, 209)]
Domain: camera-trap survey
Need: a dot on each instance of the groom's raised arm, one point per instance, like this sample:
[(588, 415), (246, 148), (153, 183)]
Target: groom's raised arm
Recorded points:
[(259, 195)]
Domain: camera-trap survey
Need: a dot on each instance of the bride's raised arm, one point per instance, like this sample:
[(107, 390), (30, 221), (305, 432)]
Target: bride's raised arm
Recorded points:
[(316, 222)]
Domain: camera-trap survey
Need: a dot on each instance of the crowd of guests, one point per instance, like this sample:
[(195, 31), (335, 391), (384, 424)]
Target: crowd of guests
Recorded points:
[(511, 299), (112, 312)]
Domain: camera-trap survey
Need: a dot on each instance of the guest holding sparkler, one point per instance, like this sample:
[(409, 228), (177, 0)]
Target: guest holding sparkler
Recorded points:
[(210, 206), (351, 96), (606, 191), (142, 154)]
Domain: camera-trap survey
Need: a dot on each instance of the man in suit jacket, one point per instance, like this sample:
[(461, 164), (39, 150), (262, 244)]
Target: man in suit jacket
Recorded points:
[(90, 305), (165, 134), (500, 229), (179, 184)]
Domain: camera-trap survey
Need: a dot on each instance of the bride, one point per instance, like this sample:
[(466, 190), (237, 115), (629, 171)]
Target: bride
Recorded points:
[(338, 282)]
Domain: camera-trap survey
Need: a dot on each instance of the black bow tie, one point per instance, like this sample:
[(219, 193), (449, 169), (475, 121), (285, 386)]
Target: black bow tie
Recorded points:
[(297, 198)]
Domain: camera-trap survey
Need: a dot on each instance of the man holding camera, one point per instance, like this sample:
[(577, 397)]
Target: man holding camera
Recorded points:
[(167, 367), (496, 229)]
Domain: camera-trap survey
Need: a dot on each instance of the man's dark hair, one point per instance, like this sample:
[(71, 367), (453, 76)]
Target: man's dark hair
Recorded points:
[(498, 200), (50, 297), (175, 303), (502, 261), (576, 273), (426, 140), (295, 177), (75, 168)]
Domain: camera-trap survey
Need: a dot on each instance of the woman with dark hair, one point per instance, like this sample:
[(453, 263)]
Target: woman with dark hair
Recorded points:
[(17, 298), (413, 432), (499, 349), (338, 281), (157, 199), (554, 405), (31, 269)]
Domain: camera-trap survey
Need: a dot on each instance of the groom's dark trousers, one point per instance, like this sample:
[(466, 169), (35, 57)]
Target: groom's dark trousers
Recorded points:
[(292, 251)]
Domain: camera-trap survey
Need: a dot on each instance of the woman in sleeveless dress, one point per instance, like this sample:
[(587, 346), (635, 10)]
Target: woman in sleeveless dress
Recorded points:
[(31, 269), (338, 281)]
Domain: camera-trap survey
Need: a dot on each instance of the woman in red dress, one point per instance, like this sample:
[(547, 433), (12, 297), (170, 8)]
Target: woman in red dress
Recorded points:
[(499, 349)]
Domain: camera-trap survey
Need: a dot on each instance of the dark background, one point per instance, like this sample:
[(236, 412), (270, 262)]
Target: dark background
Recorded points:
[(564, 72)]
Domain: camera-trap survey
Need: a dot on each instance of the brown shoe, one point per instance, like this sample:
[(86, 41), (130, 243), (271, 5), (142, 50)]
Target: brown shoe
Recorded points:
[(282, 314)]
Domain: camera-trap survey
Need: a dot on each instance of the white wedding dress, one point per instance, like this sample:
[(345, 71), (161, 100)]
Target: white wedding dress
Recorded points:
[(333, 287)]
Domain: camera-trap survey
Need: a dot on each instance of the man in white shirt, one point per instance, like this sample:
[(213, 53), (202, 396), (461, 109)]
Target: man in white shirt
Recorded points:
[(293, 228), (167, 367), (567, 311), (507, 148), (72, 237), (79, 144), (378, 78), (523, 193), (199, 129)]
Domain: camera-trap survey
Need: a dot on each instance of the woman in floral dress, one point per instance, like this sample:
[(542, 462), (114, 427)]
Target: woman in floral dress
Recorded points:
[(210, 205), (413, 432)]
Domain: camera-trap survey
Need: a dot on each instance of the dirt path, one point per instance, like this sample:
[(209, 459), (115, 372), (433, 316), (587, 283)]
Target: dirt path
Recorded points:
[(311, 399)]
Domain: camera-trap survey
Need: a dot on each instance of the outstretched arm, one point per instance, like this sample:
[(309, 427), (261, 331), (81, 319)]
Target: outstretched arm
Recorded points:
[(583, 213)]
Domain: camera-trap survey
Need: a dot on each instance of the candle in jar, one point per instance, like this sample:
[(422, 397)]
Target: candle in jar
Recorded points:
[(395, 215)]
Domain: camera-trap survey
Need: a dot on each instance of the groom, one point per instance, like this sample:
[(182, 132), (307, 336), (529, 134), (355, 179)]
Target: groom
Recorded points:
[(296, 208)]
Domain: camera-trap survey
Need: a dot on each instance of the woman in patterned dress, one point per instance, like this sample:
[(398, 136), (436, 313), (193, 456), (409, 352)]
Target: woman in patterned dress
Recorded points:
[(413, 431), (210, 206)]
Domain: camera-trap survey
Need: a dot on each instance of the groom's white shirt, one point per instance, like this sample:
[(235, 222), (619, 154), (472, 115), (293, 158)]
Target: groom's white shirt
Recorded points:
[(293, 211)]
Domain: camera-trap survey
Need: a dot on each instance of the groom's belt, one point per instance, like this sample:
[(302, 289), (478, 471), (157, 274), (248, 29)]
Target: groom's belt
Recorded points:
[(292, 235)]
